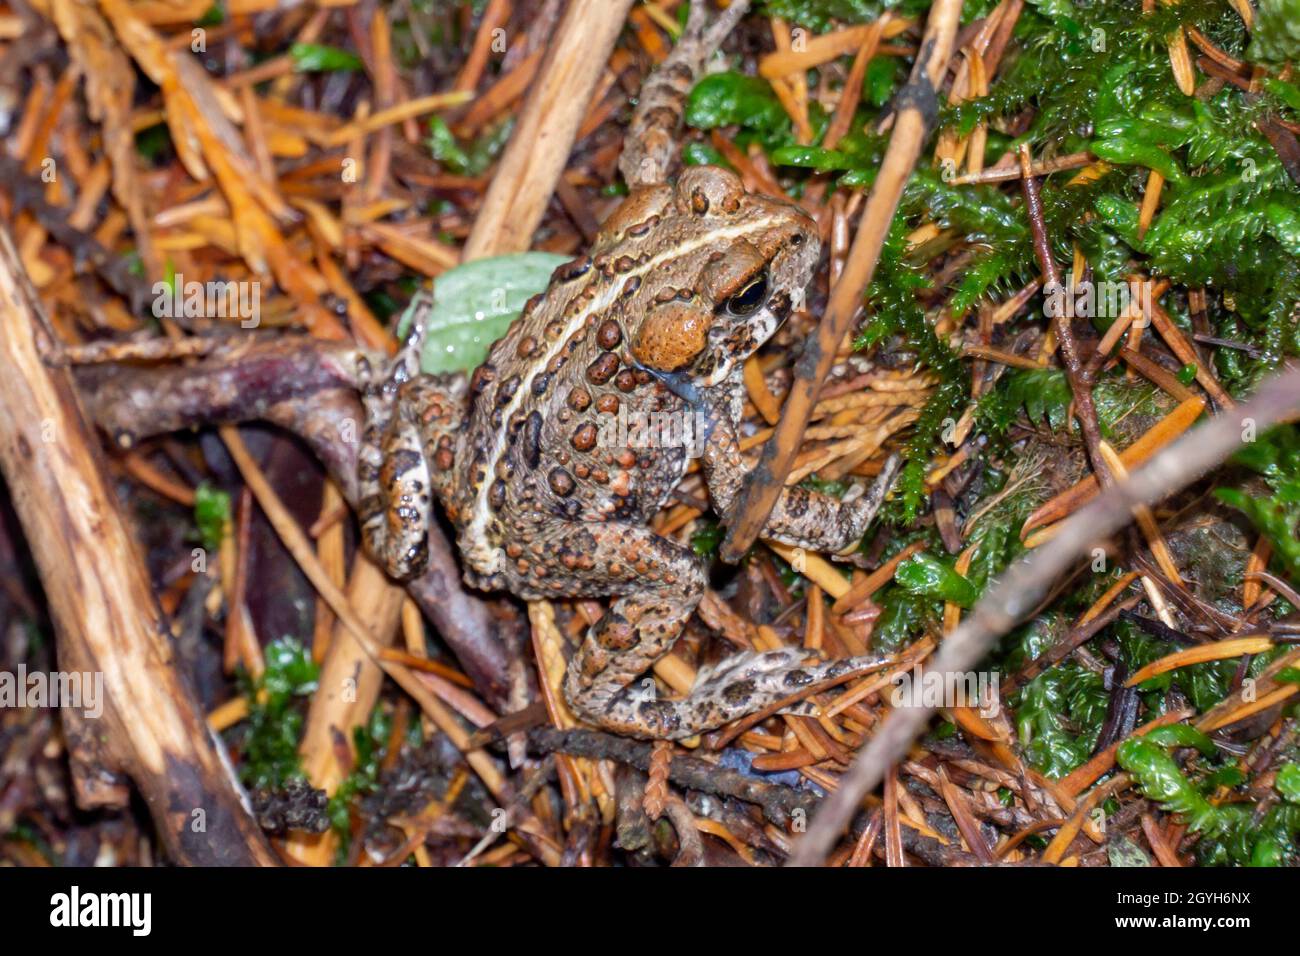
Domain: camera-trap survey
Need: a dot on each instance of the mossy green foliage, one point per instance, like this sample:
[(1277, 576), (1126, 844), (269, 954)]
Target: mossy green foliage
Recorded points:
[(319, 58), (211, 514), (370, 745), (1276, 515), (1087, 75), (930, 576), (1277, 31), (268, 739), (1180, 768), (466, 159)]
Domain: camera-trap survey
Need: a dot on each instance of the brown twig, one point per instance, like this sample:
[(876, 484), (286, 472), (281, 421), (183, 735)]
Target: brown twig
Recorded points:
[(777, 801), (306, 386), (1075, 370)]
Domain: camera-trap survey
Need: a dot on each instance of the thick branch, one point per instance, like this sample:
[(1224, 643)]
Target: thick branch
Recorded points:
[(306, 386), (106, 619)]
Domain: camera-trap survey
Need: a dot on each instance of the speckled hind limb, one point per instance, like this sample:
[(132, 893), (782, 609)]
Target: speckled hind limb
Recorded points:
[(407, 448), (663, 584), (802, 518), (650, 145)]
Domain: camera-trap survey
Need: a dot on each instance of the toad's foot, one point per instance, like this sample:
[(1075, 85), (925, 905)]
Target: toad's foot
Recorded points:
[(745, 684)]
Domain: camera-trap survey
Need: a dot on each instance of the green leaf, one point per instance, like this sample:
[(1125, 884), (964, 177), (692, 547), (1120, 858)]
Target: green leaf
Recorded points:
[(1273, 518), (1161, 779), (735, 99), (319, 58), (444, 147), (811, 157), (819, 14), (1288, 93), (1121, 216), (1284, 226), (215, 16), (1288, 782), (926, 575), (706, 537), (1181, 735), (878, 84), (1055, 10), (290, 671), (702, 154), (474, 304), (268, 740), (1129, 152), (211, 514)]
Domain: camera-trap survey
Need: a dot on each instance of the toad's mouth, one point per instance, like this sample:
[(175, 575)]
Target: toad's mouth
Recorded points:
[(681, 383)]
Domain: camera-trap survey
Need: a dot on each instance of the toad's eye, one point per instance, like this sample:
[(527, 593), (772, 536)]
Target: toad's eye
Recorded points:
[(748, 299)]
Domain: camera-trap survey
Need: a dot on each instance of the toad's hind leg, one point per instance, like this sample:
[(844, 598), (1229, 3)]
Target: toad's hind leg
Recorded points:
[(652, 137), (407, 453), (659, 585)]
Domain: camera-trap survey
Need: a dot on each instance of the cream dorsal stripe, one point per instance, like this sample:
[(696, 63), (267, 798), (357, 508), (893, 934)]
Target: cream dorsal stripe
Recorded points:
[(491, 559)]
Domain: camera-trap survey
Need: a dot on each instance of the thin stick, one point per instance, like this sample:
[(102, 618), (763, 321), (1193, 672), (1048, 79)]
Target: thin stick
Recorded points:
[(543, 138), (1010, 171)]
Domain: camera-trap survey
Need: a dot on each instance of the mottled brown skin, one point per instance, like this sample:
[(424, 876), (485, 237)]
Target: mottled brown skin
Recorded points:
[(682, 285)]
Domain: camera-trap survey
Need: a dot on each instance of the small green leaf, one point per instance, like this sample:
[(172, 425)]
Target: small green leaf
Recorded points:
[(878, 84), (706, 538), (1286, 92), (211, 514), (926, 575), (444, 147), (1130, 152), (810, 157), (1284, 226), (215, 16), (319, 58), (702, 154), (735, 99), (474, 305), (1288, 782), (1181, 735), (1187, 374)]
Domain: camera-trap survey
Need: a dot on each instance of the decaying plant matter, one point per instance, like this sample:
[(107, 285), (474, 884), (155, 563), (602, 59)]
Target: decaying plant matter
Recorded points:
[(1061, 282)]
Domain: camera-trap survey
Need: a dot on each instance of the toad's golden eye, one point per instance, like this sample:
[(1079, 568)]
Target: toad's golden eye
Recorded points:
[(748, 299)]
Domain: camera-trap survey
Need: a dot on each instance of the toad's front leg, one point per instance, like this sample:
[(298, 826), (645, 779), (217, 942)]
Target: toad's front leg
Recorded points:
[(659, 584), (801, 518), (407, 452)]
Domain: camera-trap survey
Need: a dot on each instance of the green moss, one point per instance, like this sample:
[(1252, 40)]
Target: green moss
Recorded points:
[(268, 740)]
